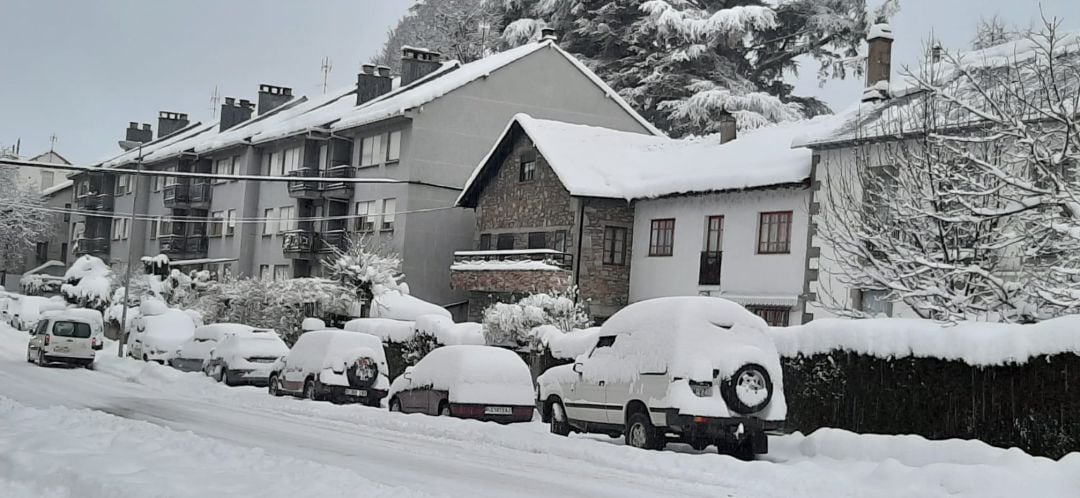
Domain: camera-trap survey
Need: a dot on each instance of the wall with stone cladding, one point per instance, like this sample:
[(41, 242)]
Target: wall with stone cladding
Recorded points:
[(607, 286), (509, 280)]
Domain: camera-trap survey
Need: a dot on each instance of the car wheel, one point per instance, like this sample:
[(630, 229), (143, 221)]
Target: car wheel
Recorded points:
[(444, 410), (309, 390), (273, 387), (219, 374), (29, 359), (559, 423), (226, 378), (89, 365), (742, 450), (640, 433), (395, 405), (145, 357), (41, 358)]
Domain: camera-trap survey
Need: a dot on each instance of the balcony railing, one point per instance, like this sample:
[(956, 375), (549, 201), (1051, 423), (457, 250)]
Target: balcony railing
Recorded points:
[(333, 240), (298, 243), (91, 246), (302, 189), (338, 189), (95, 202), (709, 269), (186, 194), (551, 257), (186, 245)]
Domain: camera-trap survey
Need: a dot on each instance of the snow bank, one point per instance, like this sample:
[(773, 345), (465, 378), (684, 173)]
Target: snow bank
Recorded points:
[(398, 306), (974, 343), (449, 333), (384, 328), (62, 452), (472, 374), (566, 345)]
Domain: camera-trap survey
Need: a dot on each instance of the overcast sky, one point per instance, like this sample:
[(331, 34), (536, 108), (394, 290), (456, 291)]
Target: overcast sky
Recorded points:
[(85, 69)]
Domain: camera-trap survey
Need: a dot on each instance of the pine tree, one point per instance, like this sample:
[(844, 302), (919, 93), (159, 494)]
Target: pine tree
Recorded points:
[(460, 30)]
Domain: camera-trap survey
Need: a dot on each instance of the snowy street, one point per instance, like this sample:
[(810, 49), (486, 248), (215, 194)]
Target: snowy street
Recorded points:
[(132, 429)]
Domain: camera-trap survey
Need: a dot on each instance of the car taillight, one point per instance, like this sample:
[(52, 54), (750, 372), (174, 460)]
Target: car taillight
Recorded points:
[(701, 389), (93, 342), (47, 340)]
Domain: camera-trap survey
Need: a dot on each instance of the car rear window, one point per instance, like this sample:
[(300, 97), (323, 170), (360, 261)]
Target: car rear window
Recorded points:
[(71, 329)]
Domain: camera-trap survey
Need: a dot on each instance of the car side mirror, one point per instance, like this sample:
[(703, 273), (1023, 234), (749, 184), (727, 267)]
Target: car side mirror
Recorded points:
[(407, 375), (577, 367)]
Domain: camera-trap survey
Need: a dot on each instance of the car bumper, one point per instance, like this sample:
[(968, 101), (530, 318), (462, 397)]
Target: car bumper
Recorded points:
[(187, 364), (732, 429), (66, 358), (518, 413), (343, 394), (258, 377)]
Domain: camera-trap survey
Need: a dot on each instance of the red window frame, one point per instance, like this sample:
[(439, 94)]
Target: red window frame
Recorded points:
[(662, 237)]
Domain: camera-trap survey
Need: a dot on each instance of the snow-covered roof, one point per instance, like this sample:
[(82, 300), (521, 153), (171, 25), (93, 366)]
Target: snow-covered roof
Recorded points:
[(592, 161), (56, 188), (901, 113), (130, 156)]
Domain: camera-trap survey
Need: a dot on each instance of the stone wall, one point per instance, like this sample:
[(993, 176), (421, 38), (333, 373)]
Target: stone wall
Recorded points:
[(606, 286), (509, 280)]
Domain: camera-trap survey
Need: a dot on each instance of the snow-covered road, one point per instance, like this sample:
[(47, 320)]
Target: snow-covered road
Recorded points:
[(138, 429)]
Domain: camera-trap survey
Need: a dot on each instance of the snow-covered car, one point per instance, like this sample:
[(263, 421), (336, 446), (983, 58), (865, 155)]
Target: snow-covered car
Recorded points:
[(63, 338), (193, 354), (26, 310), (477, 382), (699, 370), (335, 365), (156, 337), (247, 358), (7, 299)]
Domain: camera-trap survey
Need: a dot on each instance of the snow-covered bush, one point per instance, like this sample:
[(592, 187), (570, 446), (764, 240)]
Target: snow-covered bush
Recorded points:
[(415, 349), (511, 324), (38, 284), (281, 305), (366, 269), (88, 283)]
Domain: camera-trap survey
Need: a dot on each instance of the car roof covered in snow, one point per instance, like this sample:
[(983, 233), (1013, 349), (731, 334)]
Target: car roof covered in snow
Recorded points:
[(592, 161), (475, 374)]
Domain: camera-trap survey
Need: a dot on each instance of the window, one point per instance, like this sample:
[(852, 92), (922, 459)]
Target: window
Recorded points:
[(615, 245), (165, 228), (156, 183), (230, 227), (170, 180), (268, 221), (222, 167), (275, 163), (527, 166), (121, 184), (874, 302), (84, 188), (47, 179), (127, 229), (371, 150), (154, 225), (774, 316), (285, 219), (662, 237), (291, 161), (67, 213), (537, 240), (485, 242), (389, 208), (365, 219), (41, 252), (264, 272), (281, 272), (557, 240), (64, 253), (774, 233), (217, 223), (393, 147), (504, 242), (714, 234), (602, 344)]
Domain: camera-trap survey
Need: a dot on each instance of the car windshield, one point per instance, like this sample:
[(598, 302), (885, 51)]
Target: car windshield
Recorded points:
[(71, 329)]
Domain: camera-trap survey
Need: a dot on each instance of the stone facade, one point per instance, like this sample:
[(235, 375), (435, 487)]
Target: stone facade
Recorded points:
[(509, 205), (606, 286), (510, 280)]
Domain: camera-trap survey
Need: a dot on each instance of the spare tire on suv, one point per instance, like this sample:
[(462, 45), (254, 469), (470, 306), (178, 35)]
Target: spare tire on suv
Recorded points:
[(363, 372), (749, 390)]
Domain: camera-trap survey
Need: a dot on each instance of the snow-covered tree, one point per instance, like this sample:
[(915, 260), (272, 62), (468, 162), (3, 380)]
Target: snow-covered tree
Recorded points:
[(511, 324), (22, 220), (972, 209), (366, 268), (88, 282), (461, 30), (683, 62), (277, 304), (418, 346)]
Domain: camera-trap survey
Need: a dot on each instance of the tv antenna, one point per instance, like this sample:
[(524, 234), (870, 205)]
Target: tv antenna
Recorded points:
[(327, 66), (52, 141), (215, 101)]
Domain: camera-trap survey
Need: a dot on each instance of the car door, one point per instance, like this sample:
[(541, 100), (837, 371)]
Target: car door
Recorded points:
[(37, 336), (585, 401)]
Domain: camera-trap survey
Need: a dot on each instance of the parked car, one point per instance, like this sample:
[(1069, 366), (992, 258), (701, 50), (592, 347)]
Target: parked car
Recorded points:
[(156, 337), (7, 301), (93, 317), (699, 370), (247, 358), (477, 382), (63, 338), (27, 310), (194, 354), (335, 365)]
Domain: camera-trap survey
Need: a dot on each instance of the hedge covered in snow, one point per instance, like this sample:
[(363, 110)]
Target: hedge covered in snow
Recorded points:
[(1008, 385)]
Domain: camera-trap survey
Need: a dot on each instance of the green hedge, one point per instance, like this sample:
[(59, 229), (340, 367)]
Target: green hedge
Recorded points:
[(1034, 406)]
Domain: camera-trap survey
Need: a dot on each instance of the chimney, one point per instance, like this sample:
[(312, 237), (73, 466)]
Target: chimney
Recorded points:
[(417, 63), (233, 113), (878, 62), (169, 122), (935, 53), (372, 82), (728, 127), (271, 97), (136, 134), (548, 34)]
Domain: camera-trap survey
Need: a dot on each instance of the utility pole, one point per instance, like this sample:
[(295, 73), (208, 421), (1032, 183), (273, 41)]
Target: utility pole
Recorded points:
[(327, 66), (131, 254)]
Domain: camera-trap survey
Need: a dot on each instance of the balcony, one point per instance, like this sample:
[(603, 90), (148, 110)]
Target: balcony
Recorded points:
[(333, 240), (302, 189), (91, 246), (338, 190), (95, 202), (514, 271), (299, 244), (184, 246), (709, 267), (186, 195)]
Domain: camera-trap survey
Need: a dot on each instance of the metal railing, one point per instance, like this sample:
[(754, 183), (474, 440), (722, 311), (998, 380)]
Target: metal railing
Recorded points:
[(333, 239), (338, 188), (92, 246), (95, 202), (298, 242), (186, 193), (709, 267), (552, 257), (302, 186)]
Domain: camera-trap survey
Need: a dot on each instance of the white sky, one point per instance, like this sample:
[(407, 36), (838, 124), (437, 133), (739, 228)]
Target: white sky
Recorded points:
[(85, 69)]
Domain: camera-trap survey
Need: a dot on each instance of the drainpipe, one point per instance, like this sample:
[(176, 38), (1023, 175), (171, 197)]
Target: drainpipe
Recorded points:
[(581, 231)]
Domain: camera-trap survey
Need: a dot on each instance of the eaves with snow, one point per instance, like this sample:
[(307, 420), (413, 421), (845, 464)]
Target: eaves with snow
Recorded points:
[(592, 161)]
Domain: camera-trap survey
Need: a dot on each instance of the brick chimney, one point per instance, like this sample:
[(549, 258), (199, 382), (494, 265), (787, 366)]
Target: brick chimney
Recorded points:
[(372, 82), (233, 113), (417, 63), (169, 122), (728, 127), (878, 62), (136, 134), (271, 97)]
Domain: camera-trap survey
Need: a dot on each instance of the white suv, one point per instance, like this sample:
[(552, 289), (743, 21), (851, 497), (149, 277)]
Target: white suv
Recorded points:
[(697, 370), (63, 339)]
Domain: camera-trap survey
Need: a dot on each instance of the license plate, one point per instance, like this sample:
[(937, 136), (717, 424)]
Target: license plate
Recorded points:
[(498, 410), (60, 349), (356, 392)]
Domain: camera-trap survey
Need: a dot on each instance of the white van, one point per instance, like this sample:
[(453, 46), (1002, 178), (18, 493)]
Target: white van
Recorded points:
[(63, 339)]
